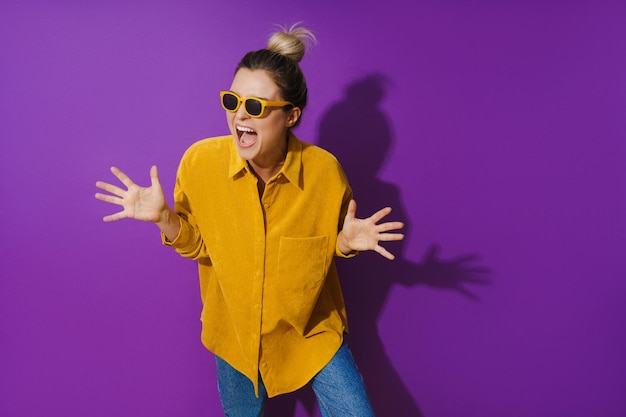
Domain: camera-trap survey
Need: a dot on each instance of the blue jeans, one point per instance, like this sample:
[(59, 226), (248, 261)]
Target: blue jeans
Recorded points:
[(339, 389)]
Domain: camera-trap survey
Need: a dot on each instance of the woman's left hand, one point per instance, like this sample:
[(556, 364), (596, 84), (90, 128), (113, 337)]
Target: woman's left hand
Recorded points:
[(364, 234)]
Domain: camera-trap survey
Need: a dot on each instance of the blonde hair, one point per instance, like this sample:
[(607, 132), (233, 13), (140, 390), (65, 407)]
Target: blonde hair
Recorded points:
[(291, 42), (280, 59)]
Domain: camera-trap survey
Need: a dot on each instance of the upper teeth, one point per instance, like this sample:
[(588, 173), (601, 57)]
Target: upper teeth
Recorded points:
[(245, 129)]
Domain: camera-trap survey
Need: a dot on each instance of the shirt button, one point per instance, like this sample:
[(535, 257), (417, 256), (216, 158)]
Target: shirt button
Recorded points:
[(258, 239), (266, 205)]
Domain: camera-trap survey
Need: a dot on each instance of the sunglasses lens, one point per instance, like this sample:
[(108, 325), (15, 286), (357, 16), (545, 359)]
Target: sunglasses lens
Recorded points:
[(230, 102), (254, 107)]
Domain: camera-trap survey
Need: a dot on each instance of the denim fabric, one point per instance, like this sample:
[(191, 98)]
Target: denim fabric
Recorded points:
[(237, 392), (339, 389)]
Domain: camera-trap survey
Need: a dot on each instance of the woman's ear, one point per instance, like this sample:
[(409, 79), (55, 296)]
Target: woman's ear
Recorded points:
[(294, 115)]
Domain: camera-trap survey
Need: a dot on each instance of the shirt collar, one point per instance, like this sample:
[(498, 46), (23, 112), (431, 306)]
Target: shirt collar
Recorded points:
[(237, 164), (291, 168), (293, 163)]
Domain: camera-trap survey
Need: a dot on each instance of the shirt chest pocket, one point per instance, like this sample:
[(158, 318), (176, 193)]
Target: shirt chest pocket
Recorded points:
[(302, 262), (300, 277)]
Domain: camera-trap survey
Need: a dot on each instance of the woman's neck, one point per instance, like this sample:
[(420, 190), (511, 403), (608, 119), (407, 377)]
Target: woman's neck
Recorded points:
[(264, 173), (266, 167)]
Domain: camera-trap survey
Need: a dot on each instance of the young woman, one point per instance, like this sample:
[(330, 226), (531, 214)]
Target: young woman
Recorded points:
[(264, 214)]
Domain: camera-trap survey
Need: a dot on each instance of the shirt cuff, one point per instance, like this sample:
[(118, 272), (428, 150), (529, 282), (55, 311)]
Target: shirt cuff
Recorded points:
[(344, 255), (171, 242)]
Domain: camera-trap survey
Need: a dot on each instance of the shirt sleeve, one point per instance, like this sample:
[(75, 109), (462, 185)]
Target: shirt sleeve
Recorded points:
[(188, 242), (347, 196)]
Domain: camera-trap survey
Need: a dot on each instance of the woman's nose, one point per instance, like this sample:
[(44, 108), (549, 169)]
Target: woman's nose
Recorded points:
[(241, 112)]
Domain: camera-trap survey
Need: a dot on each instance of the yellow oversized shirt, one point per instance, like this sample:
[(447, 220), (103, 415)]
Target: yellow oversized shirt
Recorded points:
[(271, 298)]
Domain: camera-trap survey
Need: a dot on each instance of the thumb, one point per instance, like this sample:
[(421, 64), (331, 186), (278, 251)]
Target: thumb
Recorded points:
[(154, 176), (351, 214)]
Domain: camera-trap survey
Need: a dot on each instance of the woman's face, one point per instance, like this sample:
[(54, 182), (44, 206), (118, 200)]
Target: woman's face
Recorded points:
[(261, 140)]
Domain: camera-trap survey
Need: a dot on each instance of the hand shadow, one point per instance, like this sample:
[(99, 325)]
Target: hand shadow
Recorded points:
[(357, 132)]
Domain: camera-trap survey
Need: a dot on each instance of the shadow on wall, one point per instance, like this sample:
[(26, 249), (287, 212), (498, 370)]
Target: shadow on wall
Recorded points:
[(357, 132)]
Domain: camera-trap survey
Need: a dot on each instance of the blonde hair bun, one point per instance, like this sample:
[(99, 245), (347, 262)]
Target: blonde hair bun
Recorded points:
[(291, 42)]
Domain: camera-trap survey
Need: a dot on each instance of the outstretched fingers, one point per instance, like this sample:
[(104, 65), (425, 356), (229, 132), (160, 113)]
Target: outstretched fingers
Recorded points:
[(390, 237), (382, 230), (116, 194), (110, 188), (366, 234), (124, 179), (117, 216), (384, 252), (388, 226), (380, 214), (109, 199)]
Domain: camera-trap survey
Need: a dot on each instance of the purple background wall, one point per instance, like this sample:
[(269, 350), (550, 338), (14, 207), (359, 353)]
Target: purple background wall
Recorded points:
[(496, 130)]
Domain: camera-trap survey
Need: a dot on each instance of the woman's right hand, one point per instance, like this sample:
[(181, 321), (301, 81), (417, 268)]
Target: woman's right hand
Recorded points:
[(141, 203)]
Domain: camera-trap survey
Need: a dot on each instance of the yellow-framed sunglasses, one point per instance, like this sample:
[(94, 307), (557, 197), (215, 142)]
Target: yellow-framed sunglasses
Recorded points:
[(253, 106)]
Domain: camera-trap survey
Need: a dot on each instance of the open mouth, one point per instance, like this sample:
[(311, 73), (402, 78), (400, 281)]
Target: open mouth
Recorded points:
[(247, 137)]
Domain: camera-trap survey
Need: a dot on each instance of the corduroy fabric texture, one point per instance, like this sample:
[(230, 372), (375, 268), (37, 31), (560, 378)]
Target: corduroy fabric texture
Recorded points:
[(272, 303)]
